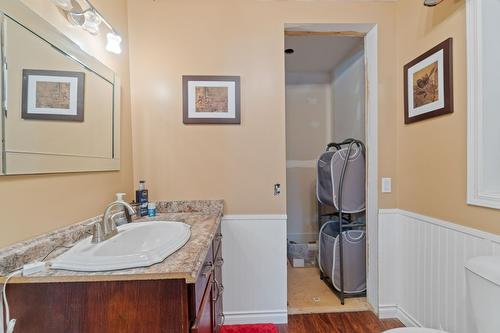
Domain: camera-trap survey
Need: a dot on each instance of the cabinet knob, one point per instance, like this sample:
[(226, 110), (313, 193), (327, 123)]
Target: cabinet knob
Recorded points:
[(219, 262)]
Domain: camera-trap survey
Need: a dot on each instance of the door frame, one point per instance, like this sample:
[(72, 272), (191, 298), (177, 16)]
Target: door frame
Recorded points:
[(370, 34)]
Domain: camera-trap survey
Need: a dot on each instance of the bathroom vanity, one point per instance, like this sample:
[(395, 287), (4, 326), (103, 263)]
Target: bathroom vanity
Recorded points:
[(181, 294)]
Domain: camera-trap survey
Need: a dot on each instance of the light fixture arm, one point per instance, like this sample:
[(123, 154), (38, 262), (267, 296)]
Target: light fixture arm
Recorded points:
[(92, 8)]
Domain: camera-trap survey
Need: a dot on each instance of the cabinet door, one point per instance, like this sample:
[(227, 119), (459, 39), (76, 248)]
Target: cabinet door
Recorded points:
[(217, 290), (204, 322)]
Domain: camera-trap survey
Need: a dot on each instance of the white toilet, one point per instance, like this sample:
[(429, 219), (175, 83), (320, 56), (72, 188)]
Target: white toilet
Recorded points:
[(413, 330), (483, 284)]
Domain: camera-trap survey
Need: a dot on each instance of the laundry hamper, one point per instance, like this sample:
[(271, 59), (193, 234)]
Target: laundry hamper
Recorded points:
[(354, 245)]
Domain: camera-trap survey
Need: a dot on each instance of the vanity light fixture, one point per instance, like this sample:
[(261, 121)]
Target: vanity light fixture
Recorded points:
[(90, 20), (114, 43), (63, 4), (431, 3)]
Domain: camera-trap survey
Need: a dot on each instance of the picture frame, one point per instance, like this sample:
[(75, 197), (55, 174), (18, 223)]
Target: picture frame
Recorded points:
[(428, 84), (211, 99), (53, 95)]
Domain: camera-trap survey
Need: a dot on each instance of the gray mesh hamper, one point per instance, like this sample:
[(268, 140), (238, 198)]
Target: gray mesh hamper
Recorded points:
[(328, 174), (354, 258)]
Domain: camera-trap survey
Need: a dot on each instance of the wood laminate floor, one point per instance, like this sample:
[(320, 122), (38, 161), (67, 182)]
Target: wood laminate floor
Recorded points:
[(347, 322)]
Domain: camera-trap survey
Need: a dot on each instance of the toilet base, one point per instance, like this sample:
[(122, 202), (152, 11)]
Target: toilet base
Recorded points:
[(413, 330)]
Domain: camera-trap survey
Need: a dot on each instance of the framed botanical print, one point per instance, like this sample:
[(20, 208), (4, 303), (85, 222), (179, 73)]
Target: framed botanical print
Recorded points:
[(428, 84), (53, 95), (211, 99)]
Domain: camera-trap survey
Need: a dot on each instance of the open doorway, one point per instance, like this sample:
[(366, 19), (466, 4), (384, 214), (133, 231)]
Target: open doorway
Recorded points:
[(326, 102)]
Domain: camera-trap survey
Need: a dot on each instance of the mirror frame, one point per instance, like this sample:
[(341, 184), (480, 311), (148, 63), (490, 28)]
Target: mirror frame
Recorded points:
[(44, 163), (475, 109)]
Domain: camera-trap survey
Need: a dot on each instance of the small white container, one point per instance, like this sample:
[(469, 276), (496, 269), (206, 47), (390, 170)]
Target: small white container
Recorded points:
[(151, 209)]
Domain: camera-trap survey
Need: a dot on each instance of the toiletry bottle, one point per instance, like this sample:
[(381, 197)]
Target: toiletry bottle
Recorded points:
[(141, 197)]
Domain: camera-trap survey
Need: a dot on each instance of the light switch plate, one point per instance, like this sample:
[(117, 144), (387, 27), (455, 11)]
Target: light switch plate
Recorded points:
[(386, 185), (277, 189)]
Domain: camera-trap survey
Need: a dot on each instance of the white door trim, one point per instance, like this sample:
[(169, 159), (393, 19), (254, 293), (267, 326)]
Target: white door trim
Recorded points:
[(371, 68)]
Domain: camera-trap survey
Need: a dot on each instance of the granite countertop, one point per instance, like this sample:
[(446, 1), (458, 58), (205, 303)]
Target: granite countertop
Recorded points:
[(204, 218)]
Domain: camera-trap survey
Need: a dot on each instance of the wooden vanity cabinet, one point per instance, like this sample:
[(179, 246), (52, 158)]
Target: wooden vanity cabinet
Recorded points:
[(133, 306)]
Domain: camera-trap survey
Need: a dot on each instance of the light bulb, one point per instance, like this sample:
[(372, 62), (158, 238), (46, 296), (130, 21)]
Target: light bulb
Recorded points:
[(92, 22), (63, 4), (114, 43), (431, 3)]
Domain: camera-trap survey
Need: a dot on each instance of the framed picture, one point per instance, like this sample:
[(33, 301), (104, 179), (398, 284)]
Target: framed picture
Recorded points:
[(428, 84), (211, 99), (53, 95)]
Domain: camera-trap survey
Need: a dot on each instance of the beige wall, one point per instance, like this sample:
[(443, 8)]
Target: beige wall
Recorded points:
[(32, 205), (233, 37), (432, 166)]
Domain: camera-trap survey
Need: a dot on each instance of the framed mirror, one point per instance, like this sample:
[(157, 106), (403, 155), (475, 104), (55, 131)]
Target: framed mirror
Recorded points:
[(483, 71), (60, 106)]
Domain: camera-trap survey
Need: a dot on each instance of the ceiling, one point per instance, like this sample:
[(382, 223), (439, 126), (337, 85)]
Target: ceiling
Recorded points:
[(318, 53)]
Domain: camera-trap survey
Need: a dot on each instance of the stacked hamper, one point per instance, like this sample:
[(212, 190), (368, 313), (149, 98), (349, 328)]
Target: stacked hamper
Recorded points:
[(341, 186)]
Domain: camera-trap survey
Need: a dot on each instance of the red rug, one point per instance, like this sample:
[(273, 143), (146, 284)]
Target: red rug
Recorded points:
[(254, 328)]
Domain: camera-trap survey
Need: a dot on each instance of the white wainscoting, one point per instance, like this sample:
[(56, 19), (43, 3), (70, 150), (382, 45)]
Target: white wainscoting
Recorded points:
[(421, 269), (254, 271)]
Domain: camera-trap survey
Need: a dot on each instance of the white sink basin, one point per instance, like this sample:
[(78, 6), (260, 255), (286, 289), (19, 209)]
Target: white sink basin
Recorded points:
[(136, 245)]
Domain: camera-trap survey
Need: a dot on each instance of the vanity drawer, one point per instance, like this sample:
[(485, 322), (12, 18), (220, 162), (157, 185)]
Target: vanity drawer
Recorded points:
[(197, 290)]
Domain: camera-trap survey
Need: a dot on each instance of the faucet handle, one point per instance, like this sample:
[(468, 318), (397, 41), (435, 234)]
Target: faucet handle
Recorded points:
[(97, 235)]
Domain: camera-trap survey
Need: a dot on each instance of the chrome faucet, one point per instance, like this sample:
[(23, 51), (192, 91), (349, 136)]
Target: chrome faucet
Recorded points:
[(106, 228)]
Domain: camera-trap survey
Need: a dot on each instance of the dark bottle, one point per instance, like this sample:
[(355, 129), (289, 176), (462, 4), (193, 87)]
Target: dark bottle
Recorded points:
[(141, 197)]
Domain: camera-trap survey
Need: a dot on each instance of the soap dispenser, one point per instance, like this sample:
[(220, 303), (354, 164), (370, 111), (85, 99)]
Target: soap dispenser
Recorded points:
[(120, 197)]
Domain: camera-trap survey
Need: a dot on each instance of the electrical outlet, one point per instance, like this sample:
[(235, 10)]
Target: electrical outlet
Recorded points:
[(386, 185)]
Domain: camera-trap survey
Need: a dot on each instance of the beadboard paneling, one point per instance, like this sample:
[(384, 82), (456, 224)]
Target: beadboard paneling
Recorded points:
[(254, 270), (422, 274)]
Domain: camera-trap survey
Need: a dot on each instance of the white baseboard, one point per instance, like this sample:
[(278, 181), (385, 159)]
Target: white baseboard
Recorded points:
[(407, 319), (256, 317), (388, 311), (394, 311)]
